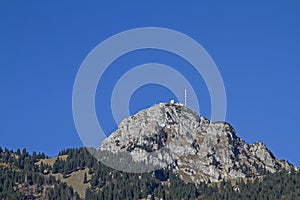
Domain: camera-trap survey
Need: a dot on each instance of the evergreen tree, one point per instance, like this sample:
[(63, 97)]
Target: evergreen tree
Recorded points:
[(85, 178)]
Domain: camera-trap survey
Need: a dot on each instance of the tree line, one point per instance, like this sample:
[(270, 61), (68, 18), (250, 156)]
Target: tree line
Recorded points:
[(18, 170)]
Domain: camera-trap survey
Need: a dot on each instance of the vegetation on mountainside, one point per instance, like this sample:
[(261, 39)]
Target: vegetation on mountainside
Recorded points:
[(21, 178), (25, 176)]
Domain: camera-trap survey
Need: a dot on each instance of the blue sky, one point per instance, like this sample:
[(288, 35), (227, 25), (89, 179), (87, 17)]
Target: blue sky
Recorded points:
[(255, 46)]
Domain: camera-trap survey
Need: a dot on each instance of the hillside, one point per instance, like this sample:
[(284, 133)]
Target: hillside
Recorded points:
[(22, 178), (106, 183)]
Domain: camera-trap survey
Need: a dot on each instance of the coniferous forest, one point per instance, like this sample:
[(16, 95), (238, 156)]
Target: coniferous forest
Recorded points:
[(25, 176)]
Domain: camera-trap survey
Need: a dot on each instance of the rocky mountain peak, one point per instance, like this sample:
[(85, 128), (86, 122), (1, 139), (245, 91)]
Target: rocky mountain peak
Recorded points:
[(172, 135)]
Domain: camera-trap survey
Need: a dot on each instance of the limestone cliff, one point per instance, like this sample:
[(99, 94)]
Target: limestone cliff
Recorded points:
[(171, 135)]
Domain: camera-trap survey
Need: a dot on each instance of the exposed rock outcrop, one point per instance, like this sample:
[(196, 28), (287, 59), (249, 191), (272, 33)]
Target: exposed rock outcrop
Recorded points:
[(172, 135)]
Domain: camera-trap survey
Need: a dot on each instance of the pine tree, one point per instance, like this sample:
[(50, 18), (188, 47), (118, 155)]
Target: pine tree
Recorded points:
[(85, 178)]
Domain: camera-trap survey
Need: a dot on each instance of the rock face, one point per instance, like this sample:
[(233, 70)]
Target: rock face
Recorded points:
[(171, 135)]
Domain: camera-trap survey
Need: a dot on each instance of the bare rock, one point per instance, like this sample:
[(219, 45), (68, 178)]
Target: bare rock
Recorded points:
[(172, 135)]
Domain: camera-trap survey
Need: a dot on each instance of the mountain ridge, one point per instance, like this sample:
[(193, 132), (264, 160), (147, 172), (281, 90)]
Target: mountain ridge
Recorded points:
[(172, 135)]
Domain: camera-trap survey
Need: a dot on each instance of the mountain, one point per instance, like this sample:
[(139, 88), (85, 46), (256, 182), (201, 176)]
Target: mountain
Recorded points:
[(76, 174), (183, 156), (198, 150)]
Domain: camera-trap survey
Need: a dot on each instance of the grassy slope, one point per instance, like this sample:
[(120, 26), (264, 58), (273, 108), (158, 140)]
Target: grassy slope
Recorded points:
[(75, 179)]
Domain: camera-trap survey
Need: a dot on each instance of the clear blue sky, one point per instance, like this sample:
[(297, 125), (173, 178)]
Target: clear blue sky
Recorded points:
[(255, 45)]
